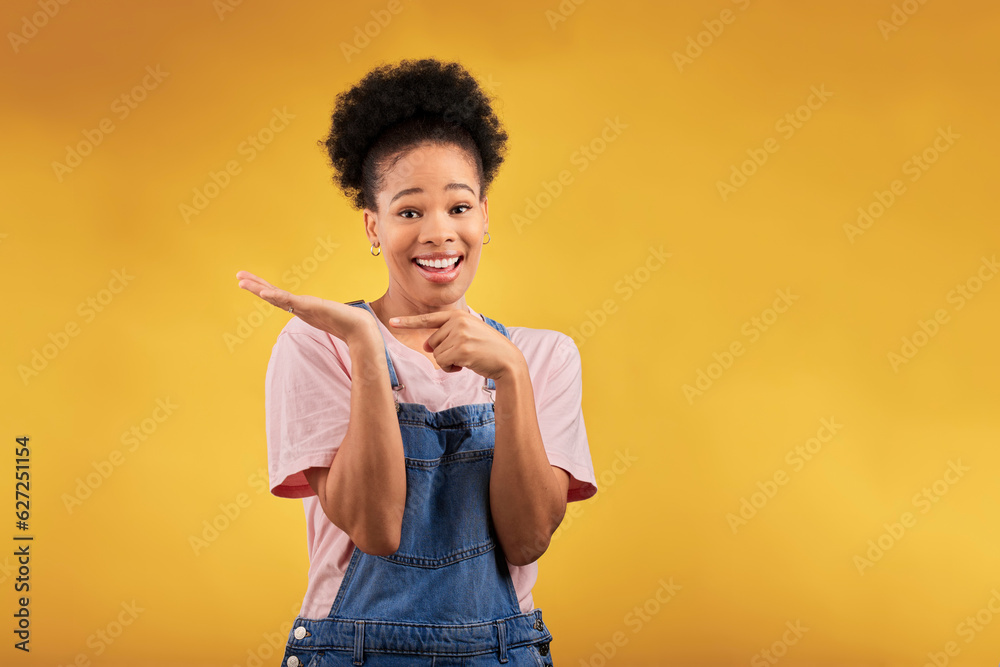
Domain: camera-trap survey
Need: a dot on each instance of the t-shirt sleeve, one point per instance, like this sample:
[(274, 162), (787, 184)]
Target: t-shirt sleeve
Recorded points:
[(560, 419), (307, 400)]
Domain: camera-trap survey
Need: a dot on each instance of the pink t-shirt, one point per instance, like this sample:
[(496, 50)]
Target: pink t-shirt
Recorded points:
[(307, 407)]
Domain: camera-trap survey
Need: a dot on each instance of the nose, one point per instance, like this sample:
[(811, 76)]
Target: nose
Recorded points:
[(437, 228)]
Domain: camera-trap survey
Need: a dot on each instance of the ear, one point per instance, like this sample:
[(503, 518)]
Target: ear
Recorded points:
[(486, 214), (371, 225)]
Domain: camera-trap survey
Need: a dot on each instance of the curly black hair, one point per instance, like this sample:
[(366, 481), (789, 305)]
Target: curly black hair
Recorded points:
[(396, 107)]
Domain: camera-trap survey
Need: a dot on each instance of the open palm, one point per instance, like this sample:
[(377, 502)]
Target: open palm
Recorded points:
[(343, 321)]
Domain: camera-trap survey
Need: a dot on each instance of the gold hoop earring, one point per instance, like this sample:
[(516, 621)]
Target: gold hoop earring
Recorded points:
[(487, 238), (373, 249)]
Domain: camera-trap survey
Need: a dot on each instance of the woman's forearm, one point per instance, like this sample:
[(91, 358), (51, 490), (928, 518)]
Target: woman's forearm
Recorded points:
[(366, 485), (525, 499)]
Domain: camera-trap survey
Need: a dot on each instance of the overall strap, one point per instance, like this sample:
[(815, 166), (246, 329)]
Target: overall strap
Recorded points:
[(488, 387), (360, 303)]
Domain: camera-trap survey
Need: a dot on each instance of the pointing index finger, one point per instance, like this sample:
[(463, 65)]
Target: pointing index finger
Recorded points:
[(425, 321)]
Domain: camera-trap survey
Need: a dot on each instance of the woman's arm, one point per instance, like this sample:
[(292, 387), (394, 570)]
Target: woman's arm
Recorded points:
[(527, 494), (363, 491)]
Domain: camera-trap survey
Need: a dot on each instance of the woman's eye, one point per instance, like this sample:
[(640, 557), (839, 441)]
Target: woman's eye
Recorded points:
[(406, 213)]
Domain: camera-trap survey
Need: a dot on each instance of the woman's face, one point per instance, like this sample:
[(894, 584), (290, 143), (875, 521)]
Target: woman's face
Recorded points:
[(429, 209)]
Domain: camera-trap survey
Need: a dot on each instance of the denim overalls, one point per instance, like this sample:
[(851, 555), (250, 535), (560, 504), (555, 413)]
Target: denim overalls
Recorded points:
[(445, 597)]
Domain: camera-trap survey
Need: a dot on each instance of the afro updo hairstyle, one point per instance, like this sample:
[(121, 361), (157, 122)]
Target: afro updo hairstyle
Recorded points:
[(395, 108)]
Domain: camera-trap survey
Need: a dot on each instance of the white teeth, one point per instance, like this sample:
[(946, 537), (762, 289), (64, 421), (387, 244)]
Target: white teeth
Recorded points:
[(437, 263)]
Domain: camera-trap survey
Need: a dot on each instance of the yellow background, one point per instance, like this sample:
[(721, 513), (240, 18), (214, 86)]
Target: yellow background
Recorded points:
[(663, 517)]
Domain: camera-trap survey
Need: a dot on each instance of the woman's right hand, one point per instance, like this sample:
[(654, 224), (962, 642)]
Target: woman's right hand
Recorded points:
[(347, 323)]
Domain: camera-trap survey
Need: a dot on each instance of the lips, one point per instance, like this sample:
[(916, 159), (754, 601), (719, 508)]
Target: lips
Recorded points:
[(440, 275)]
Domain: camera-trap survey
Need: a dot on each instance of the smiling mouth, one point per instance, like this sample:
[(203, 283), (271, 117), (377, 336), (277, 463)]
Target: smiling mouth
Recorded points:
[(439, 270)]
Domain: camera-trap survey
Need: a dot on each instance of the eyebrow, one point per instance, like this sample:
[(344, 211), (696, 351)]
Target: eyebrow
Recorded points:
[(450, 186)]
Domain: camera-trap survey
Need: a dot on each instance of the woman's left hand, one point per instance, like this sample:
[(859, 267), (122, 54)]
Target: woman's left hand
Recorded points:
[(463, 340)]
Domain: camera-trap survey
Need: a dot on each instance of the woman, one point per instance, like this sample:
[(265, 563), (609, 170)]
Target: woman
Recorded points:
[(428, 501)]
